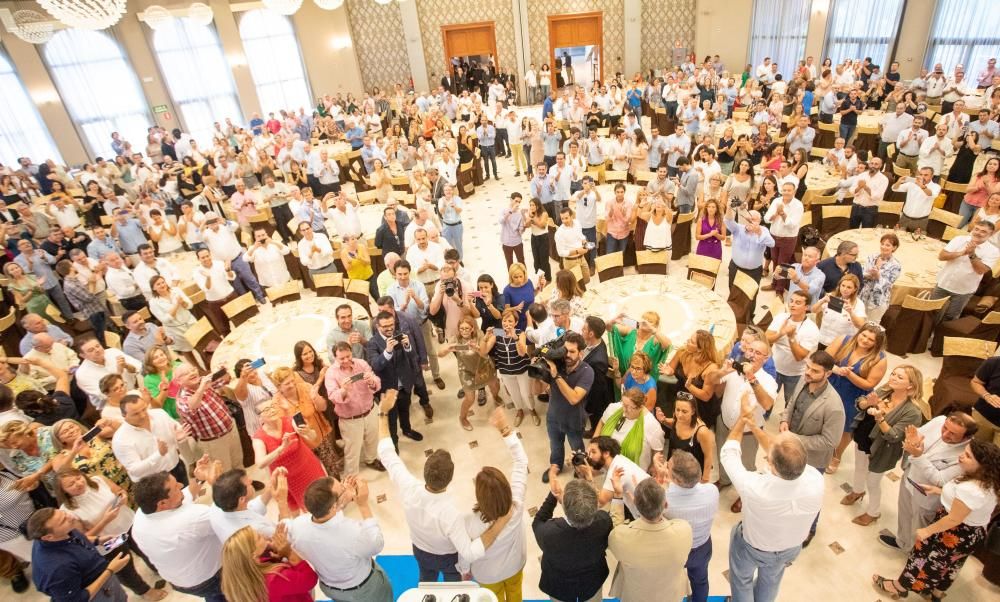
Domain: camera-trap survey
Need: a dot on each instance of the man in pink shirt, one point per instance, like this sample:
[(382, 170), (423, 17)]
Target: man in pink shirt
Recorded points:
[(351, 385), (243, 204)]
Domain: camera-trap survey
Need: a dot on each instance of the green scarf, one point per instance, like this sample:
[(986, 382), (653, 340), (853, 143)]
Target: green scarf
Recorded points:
[(632, 443)]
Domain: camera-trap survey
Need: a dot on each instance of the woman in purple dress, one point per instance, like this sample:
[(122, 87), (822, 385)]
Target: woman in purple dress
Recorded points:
[(711, 231)]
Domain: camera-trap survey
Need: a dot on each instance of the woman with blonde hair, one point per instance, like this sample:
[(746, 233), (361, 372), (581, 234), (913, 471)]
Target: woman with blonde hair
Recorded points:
[(847, 318), (27, 290), (509, 350), (253, 569), (860, 365), (280, 443), (475, 366), (158, 368), (520, 293), (95, 457), (879, 430), (381, 181), (295, 396), (637, 379), (690, 365)]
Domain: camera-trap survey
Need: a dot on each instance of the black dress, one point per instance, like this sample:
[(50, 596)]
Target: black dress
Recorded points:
[(689, 445), (708, 411), (961, 169)]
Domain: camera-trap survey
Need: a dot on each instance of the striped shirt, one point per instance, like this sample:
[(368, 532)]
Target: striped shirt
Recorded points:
[(697, 505), (506, 358)]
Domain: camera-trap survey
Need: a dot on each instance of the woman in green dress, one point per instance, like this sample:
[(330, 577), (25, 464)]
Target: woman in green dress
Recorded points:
[(628, 336), (28, 292), (159, 369)]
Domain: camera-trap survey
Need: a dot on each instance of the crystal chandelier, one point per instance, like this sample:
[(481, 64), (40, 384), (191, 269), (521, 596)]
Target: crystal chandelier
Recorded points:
[(86, 14), (283, 7), (32, 27), (329, 4)]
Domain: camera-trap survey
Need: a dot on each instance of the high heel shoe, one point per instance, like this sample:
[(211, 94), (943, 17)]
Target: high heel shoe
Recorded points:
[(834, 465), (852, 498), (864, 519)]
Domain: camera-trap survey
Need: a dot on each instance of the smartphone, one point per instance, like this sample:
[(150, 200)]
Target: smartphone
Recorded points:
[(116, 502), (916, 486), (111, 544), (356, 377), (630, 322), (219, 375), (91, 434), (299, 419), (460, 347), (836, 304), (476, 294), (499, 332), (257, 363)]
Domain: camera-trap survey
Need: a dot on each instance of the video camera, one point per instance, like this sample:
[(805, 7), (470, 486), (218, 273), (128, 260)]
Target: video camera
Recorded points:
[(554, 351)]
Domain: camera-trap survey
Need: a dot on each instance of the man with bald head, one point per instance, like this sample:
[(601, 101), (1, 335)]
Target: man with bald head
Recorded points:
[(34, 325), (779, 506), (749, 241), (203, 412)]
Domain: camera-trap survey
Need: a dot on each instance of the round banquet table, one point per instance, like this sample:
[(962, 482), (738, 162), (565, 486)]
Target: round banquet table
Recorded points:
[(185, 262), (919, 258), (273, 332), (683, 306), (818, 177), (336, 151), (741, 128)]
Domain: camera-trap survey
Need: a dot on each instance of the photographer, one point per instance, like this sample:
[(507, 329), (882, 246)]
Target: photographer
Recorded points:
[(450, 296), (805, 275), (738, 380), (749, 241), (543, 328), (394, 360), (567, 393)]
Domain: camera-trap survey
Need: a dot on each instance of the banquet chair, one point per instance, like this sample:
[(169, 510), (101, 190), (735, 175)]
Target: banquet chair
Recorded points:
[(908, 326), (834, 218), (603, 132), (328, 285), (950, 233), (776, 307), (367, 197), (357, 291), (888, 214), (900, 172), (941, 219), (241, 309), (866, 139), (578, 275), (970, 327), (826, 135), (706, 266), (197, 297), (204, 339), (400, 183), (615, 176), (663, 121), (465, 180), (651, 262), (741, 299), (610, 265), (890, 152), (10, 334), (113, 339), (816, 207), (819, 152), (283, 293), (702, 279), (644, 177), (953, 386), (681, 237), (262, 219), (954, 193)]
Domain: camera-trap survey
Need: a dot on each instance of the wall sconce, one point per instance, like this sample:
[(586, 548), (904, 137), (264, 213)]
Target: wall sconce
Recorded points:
[(237, 60), (340, 42), (820, 6), (44, 96)]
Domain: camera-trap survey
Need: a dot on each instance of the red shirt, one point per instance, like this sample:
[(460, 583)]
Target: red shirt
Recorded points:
[(273, 126), (293, 583)]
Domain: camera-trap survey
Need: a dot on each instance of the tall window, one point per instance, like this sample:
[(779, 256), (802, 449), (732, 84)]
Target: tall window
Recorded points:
[(22, 131), (99, 88), (197, 75), (965, 32), (275, 62), (862, 28), (779, 31)]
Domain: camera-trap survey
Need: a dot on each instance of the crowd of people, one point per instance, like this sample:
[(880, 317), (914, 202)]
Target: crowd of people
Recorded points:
[(112, 426)]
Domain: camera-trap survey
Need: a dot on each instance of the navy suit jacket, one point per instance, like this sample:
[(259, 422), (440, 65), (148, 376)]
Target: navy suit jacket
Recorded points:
[(401, 369)]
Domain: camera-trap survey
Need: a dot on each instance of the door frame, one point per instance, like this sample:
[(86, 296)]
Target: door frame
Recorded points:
[(446, 29), (572, 17)]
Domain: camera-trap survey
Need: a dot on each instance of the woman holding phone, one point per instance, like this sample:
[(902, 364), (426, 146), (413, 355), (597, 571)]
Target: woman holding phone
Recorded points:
[(475, 366), (508, 347), (101, 507), (280, 443), (92, 453), (298, 400)]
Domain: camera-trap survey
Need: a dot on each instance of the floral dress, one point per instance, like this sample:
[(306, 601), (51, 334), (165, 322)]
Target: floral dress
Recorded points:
[(876, 293), (102, 462)]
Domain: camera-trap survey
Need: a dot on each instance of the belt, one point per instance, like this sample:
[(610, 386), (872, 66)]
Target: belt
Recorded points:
[(361, 415), (351, 589), (215, 438), (596, 164), (909, 217), (905, 155), (453, 224)]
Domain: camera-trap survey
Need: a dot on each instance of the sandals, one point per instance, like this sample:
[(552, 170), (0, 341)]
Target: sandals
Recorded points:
[(880, 584), (465, 423), (852, 498), (864, 519), (535, 418), (834, 465)]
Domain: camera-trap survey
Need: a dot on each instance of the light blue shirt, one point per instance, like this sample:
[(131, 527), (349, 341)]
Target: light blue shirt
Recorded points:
[(814, 279), (408, 307), (550, 142), (748, 249), (369, 154), (40, 268), (543, 188), (487, 135), (60, 336), (697, 505), (130, 235), (312, 213), (98, 248), (657, 146), (449, 216)]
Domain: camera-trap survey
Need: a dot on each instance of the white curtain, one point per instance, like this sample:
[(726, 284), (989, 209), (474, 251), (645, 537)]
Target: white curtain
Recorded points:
[(99, 88), (965, 32), (198, 76), (22, 131), (275, 62), (779, 31), (862, 28)]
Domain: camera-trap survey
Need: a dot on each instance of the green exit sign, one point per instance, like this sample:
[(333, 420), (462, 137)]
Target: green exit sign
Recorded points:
[(160, 109)]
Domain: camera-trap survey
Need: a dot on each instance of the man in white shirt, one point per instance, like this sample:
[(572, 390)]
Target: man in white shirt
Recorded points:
[(604, 455), (427, 257), (146, 441), (44, 348), (226, 174), (212, 278), (311, 210), (908, 144), (585, 203), (987, 129), (421, 220), (99, 362), (793, 336), (920, 194), (678, 145), (571, 245), (341, 550), (697, 503), (315, 252), (436, 527), (869, 189), (935, 150), (966, 259), (780, 506), (785, 217), (122, 283), (327, 173), (236, 505), (891, 126), (957, 121), (176, 532), (221, 241), (764, 68), (150, 266)]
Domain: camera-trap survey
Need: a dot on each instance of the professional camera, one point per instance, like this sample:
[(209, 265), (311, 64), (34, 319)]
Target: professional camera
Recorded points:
[(449, 286), (735, 203), (554, 351), (579, 457), (740, 364)]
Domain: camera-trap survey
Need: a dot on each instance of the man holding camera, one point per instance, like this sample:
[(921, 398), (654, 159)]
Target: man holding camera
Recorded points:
[(566, 401), (805, 275), (394, 361), (794, 336), (743, 380)]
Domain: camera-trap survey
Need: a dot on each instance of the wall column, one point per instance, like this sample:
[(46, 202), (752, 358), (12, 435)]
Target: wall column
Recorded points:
[(819, 14), (633, 37), (327, 50), (522, 45), (138, 52), (415, 47), (232, 47)]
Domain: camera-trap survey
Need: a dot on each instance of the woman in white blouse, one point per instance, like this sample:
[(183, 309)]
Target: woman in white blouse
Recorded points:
[(268, 257), (172, 308), (846, 321)]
